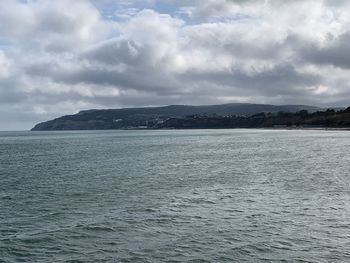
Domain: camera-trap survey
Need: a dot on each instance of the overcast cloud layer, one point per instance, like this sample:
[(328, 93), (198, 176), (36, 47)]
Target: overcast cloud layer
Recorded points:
[(59, 57)]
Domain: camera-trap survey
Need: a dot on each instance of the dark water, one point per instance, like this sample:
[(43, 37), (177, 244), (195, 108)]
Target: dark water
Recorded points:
[(175, 196)]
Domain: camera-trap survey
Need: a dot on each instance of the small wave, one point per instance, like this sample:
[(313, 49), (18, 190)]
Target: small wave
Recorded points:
[(96, 228), (5, 196)]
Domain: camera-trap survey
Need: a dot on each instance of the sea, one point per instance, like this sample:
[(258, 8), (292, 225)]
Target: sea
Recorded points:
[(175, 196)]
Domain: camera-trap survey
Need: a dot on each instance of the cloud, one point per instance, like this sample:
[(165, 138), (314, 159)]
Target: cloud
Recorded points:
[(64, 56), (53, 26), (334, 53)]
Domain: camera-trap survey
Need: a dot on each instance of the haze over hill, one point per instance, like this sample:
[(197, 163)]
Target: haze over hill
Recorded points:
[(136, 117)]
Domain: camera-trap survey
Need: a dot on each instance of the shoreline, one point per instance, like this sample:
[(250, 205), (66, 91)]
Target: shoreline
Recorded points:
[(237, 128)]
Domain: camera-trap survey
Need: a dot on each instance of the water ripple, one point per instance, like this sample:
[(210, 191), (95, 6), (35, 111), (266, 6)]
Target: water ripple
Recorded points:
[(175, 196)]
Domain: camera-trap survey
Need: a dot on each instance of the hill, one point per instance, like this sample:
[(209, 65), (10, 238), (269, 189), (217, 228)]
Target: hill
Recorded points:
[(301, 119), (154, 116)]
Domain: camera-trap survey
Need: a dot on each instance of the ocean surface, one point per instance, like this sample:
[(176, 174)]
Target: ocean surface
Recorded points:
[(175, 196)]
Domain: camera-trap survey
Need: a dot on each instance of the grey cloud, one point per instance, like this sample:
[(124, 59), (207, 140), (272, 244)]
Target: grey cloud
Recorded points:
[(280, 80), (114, 52), (135, 79), (336, 53), (68, 57)]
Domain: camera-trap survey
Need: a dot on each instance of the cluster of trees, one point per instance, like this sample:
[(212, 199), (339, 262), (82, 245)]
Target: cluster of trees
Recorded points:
[(302, 118)]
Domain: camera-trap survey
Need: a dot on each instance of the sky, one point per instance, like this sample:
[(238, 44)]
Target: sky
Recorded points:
[(60, 57)]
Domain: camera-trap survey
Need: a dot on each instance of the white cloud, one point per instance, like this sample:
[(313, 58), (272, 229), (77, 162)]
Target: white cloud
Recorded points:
[(64, 56)]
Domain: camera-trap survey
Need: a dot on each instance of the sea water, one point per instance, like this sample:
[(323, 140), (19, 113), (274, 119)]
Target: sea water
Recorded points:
[(175, 196)]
